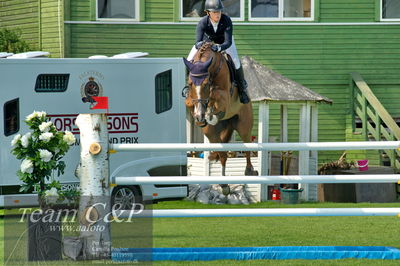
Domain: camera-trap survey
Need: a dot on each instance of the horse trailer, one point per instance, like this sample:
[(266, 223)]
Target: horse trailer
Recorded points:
[(145, 106)]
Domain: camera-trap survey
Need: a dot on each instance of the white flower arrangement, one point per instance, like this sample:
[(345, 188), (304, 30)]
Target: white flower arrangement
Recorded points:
[(27, 166), (25, 140), (40, 152), (15, 140), (51, 195), (69, 138), (35, 115), (51, 192), (45, 155), (45, 126), (46, 136)]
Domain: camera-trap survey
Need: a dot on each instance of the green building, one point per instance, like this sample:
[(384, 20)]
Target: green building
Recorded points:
[(317, 43)]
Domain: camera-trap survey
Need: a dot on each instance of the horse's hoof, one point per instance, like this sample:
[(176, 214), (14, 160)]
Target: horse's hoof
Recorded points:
[(225, 189), (250, 171), (214, 156)]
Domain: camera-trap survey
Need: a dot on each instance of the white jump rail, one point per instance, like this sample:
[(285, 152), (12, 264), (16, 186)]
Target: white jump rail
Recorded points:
[(301, 146), (289, 179), (276, 212), (287, 146)]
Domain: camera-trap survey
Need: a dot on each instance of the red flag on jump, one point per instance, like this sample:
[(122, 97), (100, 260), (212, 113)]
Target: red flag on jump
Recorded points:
[(102, 102)]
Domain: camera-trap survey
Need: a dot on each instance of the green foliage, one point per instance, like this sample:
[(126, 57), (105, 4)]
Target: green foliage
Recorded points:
[(41, 151), (11, 41)]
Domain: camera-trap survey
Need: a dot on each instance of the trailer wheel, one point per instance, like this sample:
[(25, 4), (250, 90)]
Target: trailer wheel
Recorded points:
[(125, 198)]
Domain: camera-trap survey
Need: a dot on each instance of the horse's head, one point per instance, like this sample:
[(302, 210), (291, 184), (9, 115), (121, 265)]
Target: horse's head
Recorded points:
[(199, 89)]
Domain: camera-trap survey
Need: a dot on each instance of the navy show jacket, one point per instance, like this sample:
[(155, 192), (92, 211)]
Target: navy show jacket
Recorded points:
[(223, 36)]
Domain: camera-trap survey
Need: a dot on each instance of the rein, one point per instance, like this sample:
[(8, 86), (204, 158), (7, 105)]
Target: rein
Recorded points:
[(218, 70)]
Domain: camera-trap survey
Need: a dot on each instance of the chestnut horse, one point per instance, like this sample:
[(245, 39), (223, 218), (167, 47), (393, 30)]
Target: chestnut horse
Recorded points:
[(214, 103)]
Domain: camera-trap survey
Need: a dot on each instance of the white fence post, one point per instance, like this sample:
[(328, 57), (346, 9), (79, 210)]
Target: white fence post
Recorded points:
[(263, 156), (304, 156)]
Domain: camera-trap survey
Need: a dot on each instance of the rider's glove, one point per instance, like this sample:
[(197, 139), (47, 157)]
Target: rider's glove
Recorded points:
[(216, 48), (199, 44)]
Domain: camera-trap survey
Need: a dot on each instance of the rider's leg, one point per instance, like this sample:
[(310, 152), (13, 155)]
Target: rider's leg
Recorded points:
[(192, 53), (241, 82), (242, 86)]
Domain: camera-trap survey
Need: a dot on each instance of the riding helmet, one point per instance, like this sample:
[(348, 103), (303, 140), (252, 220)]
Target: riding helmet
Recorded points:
[(213, 5)]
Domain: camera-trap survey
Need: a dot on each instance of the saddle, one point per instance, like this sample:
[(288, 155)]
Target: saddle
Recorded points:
[(232, 70)]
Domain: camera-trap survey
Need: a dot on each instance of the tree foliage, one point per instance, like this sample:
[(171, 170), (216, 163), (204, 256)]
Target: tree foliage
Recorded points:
[(11, 41)]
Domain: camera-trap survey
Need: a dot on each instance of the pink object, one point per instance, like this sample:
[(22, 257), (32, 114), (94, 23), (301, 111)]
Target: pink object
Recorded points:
[(362, 165)]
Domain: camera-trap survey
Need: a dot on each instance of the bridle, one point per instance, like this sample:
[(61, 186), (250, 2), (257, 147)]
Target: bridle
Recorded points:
[(205, 102), (208, 85)]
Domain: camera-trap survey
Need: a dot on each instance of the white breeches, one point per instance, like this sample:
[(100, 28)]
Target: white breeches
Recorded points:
[(231, 51)]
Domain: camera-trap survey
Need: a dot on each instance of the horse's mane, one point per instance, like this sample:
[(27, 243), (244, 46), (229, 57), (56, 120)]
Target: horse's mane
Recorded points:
[(206, 47)]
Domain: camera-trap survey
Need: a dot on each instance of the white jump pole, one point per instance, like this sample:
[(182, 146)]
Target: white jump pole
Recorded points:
[(289, 179), (279, 212), (291, 146)]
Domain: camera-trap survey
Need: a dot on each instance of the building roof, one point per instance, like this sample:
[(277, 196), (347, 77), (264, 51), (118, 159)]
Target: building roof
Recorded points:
[(267, 85)]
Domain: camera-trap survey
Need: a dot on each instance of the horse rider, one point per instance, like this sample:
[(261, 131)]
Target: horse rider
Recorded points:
[(217, 27)]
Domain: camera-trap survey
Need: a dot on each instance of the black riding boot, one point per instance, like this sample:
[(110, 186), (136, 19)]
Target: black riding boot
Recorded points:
[(242, 86)]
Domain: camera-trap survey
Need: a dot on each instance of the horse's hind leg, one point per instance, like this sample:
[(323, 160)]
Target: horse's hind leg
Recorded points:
[(225, 136), (249, 167), (243, 126)]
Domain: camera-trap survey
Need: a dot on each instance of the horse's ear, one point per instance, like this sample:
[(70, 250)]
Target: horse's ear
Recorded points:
[(208, 63), (188, 64)]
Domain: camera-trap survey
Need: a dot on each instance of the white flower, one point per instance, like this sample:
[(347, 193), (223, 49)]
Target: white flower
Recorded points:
[(45, 155), (35, 114), (46, 137), (45, 126), (27, 166), (51, 195), (25, 139), (31, 116), (69, 138), (51, 192), (15, 140)]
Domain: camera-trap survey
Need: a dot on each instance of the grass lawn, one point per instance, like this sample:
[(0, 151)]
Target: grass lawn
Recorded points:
[(259, 231)]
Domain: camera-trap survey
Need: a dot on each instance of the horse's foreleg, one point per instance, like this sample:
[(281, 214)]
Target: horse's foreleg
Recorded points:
[(223, 158), (218, 134)]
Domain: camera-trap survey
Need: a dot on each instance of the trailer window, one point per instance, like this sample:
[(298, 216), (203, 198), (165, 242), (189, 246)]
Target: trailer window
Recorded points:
[(11, 117), (51, 82), (163, 91)]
